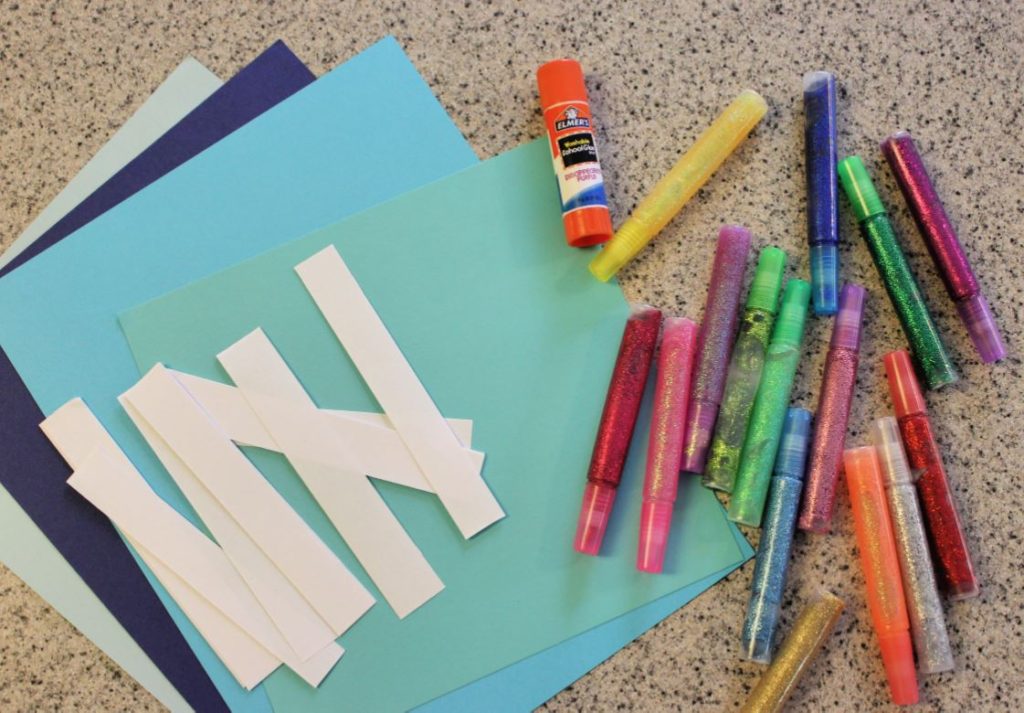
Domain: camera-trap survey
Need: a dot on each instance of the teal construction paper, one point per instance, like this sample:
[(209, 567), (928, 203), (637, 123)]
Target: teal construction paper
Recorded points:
[(365, 132), (504, 325), (24, 548)]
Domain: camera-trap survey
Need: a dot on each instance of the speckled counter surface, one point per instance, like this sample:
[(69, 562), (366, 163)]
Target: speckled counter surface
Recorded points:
[(71, 73)]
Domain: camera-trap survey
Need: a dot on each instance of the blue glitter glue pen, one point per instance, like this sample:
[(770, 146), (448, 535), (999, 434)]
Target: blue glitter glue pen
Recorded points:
[(820, 156), (772, 561)]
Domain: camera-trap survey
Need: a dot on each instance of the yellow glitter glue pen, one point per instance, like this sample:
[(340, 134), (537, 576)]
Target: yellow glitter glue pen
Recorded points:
[(811, 629), (678, 186)]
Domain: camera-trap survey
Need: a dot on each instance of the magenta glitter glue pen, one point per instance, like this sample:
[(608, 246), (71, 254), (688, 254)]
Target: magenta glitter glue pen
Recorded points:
[(826, 457), (944, 246), (717, 331), (665, 449), (615, 431)]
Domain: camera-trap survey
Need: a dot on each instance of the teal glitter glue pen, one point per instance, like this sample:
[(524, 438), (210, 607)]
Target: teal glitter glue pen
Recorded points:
[(772, 561), (745, 370), (766, 419), (925, 343)]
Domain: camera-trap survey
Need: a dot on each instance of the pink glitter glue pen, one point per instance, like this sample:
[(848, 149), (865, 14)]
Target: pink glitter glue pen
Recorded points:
[(944, 246), (618, 419), (665, 449), (714, 344), (829, 437)]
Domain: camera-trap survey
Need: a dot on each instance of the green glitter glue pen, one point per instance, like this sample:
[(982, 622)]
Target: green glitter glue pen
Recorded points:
[(926, 345), (769, 413), (745, 370)]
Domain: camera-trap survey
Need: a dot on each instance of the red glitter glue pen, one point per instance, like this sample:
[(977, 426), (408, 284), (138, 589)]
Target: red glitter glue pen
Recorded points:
[(829, 440), (665, 449), (944, 246), (949, 546), (621, 406)]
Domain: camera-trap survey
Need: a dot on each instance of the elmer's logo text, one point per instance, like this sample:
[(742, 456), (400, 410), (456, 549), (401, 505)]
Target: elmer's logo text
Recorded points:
[(571, 119)]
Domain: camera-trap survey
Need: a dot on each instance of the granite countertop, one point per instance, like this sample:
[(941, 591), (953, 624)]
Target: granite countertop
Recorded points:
[(658, 72)]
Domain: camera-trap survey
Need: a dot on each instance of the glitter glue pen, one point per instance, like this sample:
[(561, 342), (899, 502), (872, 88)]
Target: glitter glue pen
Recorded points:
[(673, 191), (810, 631), (744, 373), (665, 449), (925, 342), (881, 566), (570, 125), (927, 620), (715, 343), (944, 246), (621, 406), (820, 155), (766, 588), (834, 402), (955, 570), (766, 419)]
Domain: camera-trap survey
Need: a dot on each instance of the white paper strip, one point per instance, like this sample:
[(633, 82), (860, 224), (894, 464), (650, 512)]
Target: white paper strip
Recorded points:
[(374, 443), (195, 571), (406, 403), (323, 458), (300, 626), (321, 578)]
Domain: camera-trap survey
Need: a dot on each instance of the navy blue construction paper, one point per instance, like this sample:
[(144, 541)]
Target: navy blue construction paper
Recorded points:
[(32, 470)]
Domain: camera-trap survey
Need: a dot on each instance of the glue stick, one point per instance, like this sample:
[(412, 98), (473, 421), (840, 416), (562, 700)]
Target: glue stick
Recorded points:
[(563, 99)]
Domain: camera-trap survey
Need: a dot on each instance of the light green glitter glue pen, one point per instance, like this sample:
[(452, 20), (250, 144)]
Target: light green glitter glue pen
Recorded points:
[(769, 412), (745, 370), (926, 346)]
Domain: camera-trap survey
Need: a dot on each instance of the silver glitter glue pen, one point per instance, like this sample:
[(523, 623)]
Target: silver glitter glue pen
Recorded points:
[(927, 621)]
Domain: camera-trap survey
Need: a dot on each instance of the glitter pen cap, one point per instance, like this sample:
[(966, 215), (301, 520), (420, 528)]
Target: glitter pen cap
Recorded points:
[(981, 326), (903, 385), (598, 500), (789, 325), (859, 188), (767, 282), (885, 435), (846, 332), (792, 455)]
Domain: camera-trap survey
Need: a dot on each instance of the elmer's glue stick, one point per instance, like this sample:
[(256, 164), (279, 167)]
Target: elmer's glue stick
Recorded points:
[(563, 99)]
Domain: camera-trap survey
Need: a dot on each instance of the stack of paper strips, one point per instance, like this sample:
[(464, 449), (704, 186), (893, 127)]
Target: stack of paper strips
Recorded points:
[(493, 321)]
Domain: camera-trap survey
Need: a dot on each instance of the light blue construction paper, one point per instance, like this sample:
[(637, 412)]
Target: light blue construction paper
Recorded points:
[(525, 685), (365, 132), (24, 548), (506, 326)]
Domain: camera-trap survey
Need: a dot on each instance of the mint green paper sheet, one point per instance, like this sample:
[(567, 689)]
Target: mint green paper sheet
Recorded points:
[(24, 549), (504, 325)]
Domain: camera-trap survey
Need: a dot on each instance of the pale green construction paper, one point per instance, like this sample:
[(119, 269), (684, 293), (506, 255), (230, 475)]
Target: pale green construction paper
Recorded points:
[(548, 672), (24, 549), (504, 325), (183, 90)]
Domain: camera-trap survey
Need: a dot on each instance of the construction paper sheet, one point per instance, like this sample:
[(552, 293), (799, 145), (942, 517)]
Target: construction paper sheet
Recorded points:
[(35, 475), (183, 90), (455, 298), (529, 683), (317, 157), (23, 547)]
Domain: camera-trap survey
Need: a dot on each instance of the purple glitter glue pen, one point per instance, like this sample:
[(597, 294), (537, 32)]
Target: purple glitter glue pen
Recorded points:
[(829, 437), (944, 246), (717, 331)]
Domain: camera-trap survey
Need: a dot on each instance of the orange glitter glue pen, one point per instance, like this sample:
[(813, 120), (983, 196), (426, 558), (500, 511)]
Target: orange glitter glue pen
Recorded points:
[(665, 449), (570, 125), (881, 565)]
